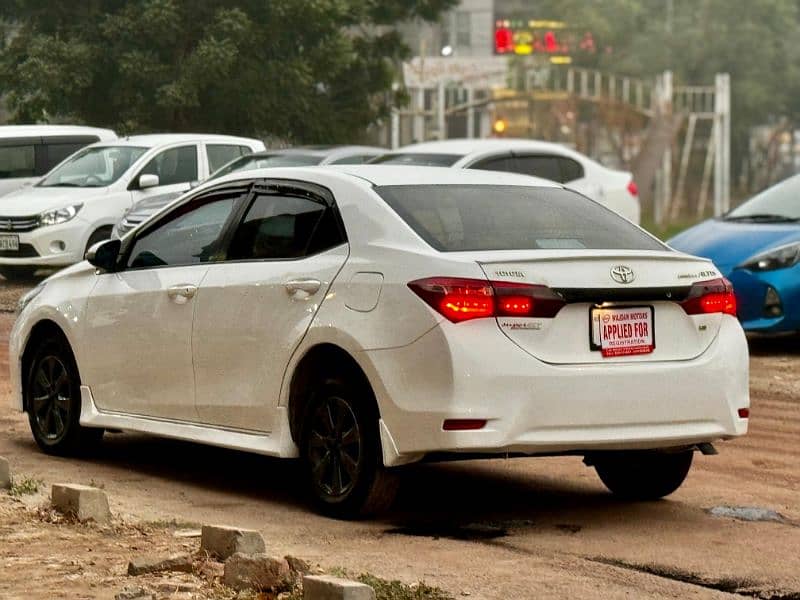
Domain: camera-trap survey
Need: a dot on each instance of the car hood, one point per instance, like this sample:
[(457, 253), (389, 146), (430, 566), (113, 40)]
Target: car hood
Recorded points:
[(34, 200), (729, 244)]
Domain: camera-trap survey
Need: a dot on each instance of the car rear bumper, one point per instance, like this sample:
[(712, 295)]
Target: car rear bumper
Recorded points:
[(536, 408)]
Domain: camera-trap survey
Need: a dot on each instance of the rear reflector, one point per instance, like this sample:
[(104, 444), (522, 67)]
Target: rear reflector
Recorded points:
[(714, 296), (744, 413), (633, 189), (459, 299), (463, 424)]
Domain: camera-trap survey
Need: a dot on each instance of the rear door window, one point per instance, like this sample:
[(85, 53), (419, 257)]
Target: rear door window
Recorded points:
[(282, 226), (454, 218), (497, 163), (570, 169), (221, 154), (543, 166)]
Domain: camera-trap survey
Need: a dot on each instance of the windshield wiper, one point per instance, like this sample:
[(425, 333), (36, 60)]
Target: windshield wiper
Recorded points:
[(765, 217), (61, 185)]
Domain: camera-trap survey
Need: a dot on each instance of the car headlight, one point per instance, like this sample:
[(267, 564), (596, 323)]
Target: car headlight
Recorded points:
[(61, 215), (29, 296), (777, 258)]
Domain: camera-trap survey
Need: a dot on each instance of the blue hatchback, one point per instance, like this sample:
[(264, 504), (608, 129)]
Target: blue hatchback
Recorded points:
[(757, 247)]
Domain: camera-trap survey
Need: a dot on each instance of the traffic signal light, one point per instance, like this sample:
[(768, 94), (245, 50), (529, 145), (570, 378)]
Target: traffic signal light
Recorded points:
[(500, 126)]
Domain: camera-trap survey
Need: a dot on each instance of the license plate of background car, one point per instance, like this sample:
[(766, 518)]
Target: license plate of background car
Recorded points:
[(623, 331), (9, 242)]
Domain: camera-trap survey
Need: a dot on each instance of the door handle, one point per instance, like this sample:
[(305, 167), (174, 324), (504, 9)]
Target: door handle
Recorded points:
[(181, 293), (308, 286)]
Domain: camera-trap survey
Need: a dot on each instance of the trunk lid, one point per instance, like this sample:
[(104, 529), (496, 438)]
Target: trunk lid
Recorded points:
[(584, 280)]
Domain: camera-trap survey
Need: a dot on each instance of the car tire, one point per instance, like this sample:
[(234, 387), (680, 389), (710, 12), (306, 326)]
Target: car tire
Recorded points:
[(102, 234), (52, 398), (14, 273), (643, 475), (341, 452)]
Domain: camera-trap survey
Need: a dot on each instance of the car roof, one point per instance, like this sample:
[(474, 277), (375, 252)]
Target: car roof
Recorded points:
[(466, 146), (380, 175), (151, 140), (15, 131)]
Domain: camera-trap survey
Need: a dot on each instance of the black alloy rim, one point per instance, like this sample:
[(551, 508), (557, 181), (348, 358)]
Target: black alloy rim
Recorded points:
[(334, 448), (51, 397)]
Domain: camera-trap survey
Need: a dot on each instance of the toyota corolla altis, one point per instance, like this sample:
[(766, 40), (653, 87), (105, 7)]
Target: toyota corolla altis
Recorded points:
[(366, 317)]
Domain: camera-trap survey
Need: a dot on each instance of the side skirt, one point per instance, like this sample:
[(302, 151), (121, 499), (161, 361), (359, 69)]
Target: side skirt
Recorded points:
[(276, 443)]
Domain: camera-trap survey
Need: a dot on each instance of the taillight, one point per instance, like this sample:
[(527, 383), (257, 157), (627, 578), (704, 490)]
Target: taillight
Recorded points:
[(633, 189), (714, 296), (460, 299)]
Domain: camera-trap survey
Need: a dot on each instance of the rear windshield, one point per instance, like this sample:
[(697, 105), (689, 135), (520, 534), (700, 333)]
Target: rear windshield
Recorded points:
[(456, 218), (418, 160)]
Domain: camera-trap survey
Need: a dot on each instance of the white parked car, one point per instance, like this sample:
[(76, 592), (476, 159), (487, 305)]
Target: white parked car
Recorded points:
[(614, 189), (365, 317), (52, 223), (29, 151)]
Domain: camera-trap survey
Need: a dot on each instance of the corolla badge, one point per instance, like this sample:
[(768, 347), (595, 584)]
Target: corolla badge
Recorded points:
[(622, 274)]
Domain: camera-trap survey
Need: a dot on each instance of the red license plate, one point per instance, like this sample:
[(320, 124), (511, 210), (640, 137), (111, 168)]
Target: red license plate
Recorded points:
[(623, 331)]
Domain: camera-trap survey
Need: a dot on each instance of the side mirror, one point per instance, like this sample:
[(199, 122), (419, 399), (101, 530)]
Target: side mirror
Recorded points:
[(147, 181), (103, 255)]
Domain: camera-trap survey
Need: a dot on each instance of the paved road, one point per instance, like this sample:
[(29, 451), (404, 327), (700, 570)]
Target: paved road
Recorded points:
[(523, 528)]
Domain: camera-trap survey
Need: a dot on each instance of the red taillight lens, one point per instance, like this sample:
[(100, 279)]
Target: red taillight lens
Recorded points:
[(461, 299), (714, 296), (456, 298), (633, 189), (515, 305)]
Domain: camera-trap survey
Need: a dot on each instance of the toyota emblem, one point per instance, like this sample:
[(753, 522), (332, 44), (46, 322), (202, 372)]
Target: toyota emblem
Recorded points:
[(622, 274)]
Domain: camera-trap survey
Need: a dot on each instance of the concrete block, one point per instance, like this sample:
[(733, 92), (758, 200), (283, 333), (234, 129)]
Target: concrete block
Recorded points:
[(325, 587), (257, 572), (84, 502), (5, 474), (222, 542), (159, 564)]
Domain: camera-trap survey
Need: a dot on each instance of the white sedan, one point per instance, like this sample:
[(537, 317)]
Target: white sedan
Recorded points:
[(613, 189), (53, 223), (366, 317)]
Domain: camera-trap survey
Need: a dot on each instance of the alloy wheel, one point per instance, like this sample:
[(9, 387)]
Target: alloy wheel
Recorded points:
[(335, 448), (51, 398)]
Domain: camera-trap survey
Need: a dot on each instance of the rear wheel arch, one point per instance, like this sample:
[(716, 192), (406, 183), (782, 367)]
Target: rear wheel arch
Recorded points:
[(318, 363)]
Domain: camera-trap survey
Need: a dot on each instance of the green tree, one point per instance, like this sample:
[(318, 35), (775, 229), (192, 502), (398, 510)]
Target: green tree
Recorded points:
[(306, 70)]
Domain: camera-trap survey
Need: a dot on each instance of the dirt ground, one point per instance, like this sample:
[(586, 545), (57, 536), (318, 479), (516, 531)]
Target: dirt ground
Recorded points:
[(502, 529)]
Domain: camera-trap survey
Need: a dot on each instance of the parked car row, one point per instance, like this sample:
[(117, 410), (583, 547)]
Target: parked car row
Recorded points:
[(111, 186)]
